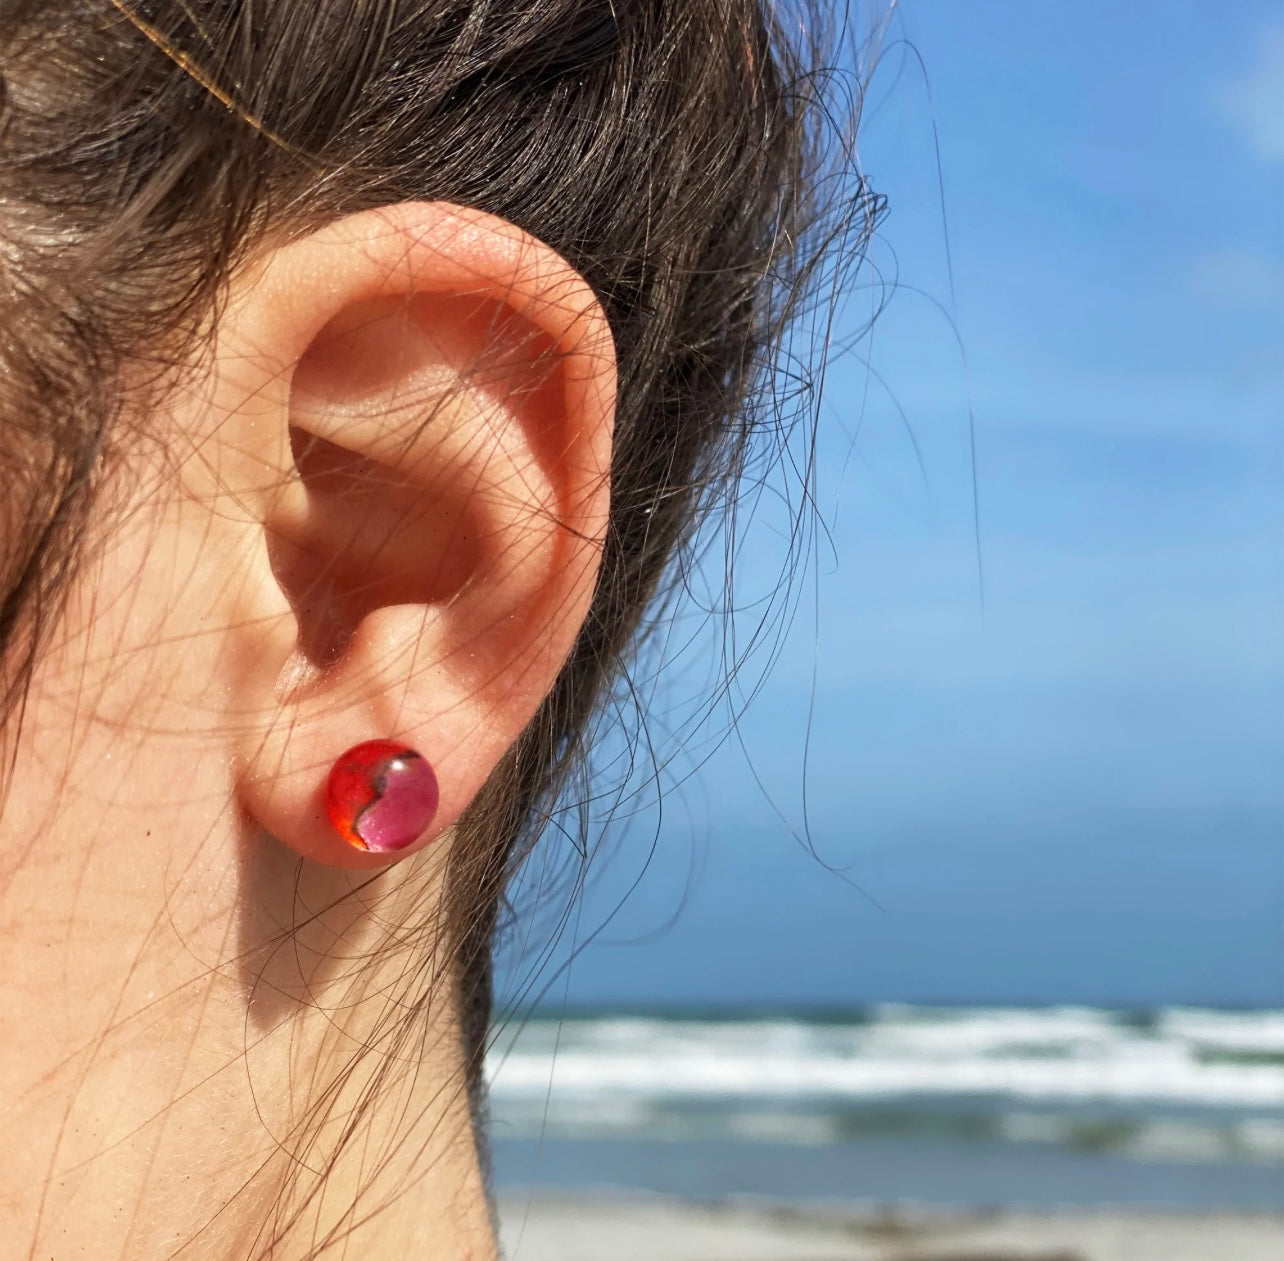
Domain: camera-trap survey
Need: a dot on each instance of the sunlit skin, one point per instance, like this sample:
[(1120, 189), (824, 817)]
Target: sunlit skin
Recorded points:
[(196, 965)]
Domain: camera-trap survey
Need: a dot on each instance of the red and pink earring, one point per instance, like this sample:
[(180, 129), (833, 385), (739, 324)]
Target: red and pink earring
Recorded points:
[(381, 796)]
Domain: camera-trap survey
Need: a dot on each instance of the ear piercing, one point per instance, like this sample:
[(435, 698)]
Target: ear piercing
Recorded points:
[(381, 796)]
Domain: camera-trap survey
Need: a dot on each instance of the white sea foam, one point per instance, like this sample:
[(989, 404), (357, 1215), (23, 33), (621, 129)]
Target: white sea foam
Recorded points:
[(1260, 1032), (1061, 1056)]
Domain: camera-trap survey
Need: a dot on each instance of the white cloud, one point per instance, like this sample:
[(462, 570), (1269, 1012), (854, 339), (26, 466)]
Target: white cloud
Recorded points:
[(1238, 278), (1254, 102)]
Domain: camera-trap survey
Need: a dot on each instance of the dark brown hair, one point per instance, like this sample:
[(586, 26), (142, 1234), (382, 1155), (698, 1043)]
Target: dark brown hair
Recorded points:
[(674, 151)]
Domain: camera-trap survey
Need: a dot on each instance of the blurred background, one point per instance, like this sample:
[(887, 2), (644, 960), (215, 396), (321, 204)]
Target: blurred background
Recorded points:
[(981, 900)]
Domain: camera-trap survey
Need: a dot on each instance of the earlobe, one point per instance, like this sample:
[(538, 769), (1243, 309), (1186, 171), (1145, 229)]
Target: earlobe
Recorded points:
[(415, 409)]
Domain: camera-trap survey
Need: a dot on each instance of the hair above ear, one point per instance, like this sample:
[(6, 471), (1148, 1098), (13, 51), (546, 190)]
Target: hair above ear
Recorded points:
[(412, 413)]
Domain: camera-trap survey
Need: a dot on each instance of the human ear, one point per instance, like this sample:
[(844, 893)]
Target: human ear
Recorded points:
[(411, 452)]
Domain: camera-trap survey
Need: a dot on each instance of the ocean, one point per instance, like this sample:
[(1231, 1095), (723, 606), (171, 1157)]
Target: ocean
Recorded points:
[(965, 1107)]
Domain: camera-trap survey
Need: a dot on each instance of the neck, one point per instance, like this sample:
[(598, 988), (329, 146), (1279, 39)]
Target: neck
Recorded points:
[(252, 1070)]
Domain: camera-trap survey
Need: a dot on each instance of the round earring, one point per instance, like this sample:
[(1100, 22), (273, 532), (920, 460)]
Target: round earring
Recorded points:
[(381, 796)]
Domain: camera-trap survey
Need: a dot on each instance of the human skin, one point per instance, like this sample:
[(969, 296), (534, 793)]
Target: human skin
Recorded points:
[(334, 528)]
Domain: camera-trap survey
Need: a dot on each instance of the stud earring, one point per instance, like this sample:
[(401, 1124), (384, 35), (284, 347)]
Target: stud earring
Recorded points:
[(381, 796)]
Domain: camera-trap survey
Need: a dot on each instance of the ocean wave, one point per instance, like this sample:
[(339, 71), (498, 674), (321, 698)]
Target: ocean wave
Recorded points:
[(1068, 1055), (1153, 1079)]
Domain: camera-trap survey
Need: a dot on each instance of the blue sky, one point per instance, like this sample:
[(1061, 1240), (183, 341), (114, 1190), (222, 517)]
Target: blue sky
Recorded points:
[(1071, 788)]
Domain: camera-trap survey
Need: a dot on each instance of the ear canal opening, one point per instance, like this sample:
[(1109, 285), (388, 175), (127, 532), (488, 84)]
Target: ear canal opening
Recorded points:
[(372, 536)]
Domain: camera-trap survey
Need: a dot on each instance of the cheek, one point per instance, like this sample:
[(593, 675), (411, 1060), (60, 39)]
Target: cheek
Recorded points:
[(143, 641), (117, 750)]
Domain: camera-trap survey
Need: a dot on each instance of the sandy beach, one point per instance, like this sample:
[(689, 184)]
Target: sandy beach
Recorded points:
[(601, 1228)]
